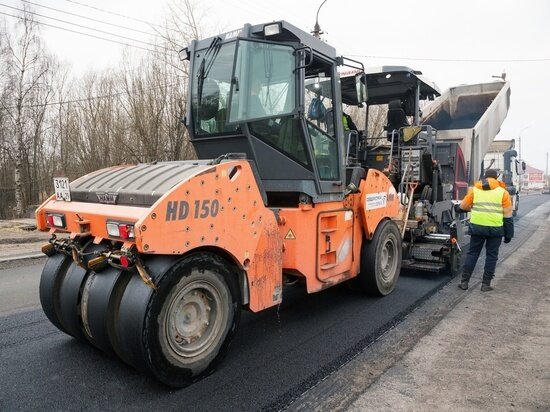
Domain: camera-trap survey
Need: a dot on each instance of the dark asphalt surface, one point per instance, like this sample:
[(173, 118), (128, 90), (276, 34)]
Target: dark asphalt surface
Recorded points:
[(276, 356)]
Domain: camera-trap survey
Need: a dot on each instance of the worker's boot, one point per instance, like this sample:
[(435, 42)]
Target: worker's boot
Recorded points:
[(464, 280), (486, 282)]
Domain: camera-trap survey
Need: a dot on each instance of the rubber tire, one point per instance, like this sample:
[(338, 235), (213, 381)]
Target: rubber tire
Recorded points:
[(129, 313), (163, 362), (371, 278), (51, 279), (69, 301), (99, 303), (516, 208)]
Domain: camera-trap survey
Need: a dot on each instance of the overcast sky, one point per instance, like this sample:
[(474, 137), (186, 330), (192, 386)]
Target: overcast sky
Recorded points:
[(451, 42)]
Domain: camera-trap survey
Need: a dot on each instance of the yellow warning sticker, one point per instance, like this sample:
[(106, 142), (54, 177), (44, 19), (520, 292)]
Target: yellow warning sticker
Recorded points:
[(290, 235)]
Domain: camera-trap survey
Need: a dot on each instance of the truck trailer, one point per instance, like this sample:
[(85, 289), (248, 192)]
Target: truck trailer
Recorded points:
[(470, 115)]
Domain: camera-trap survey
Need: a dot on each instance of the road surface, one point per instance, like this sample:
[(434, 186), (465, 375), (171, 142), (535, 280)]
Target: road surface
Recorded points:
[(276, 356)]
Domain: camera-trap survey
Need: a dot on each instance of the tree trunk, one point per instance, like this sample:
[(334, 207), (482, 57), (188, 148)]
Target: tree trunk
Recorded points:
[(19, 202)]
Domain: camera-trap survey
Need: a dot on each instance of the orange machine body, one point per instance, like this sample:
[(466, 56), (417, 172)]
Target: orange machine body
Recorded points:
[(322, 242), (220, 209)]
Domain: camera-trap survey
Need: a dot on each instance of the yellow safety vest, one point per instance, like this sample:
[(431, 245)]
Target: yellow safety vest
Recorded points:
[(345, 122), (487, 207)]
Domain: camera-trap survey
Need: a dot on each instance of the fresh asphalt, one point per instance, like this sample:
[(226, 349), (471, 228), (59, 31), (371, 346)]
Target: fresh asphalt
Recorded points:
[(276, 356)]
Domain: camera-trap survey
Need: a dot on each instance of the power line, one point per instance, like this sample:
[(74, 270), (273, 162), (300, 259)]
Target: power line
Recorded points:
[(85, 27), (541, 59), (30, 106), (84, 34), (89, 18), (159, 26), (116, 14), (86, 99)]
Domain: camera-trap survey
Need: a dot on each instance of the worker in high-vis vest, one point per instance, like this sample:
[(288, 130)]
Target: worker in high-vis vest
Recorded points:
[(490, 221)]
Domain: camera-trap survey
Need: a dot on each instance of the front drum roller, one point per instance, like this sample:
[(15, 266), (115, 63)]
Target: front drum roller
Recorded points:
[(185, 328), (381, 260)]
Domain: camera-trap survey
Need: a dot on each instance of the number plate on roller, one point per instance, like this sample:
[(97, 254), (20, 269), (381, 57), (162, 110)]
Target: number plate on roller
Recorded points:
[(62, 189)]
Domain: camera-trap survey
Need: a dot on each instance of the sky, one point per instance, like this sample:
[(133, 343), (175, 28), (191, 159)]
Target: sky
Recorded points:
[(451, 42)]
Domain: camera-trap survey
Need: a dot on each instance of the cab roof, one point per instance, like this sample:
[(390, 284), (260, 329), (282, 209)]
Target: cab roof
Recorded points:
[(387, 83)]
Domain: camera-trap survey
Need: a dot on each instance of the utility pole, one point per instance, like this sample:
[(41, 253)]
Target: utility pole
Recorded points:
[(317, 29), (547, 178)]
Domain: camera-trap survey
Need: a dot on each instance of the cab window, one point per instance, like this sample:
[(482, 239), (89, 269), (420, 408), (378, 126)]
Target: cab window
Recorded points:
[(320, 118)]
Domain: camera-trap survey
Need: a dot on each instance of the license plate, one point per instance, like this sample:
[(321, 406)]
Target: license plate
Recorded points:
[(62, 189)]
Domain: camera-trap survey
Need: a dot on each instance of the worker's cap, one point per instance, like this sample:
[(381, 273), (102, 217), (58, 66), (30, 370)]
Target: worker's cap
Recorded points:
[(491, 173)]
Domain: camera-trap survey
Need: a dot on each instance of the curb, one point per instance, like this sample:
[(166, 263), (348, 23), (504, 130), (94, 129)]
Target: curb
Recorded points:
[(22, 257), (21, 260)]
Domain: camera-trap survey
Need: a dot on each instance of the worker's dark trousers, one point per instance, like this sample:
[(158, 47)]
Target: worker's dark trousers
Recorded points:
[(492, 245)]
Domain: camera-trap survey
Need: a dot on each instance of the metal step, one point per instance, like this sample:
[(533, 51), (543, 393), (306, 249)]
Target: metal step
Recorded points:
[(425, 266)]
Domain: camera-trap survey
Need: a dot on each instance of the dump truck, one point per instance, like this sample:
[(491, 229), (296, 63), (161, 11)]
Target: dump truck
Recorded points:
[(503, 157), (471, 116)]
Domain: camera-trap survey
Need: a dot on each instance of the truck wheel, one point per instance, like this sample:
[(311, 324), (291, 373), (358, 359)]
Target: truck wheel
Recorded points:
[(381, 260), (516, 207), (191, 319)]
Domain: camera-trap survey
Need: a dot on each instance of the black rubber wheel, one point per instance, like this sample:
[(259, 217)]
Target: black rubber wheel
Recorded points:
[(516, 207), (51, 279), (129, 314), (69, 301), (381, 260), (99, 304), (191, 319)]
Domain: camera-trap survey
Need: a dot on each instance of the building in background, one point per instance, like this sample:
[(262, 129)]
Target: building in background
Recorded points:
[(532, 179)]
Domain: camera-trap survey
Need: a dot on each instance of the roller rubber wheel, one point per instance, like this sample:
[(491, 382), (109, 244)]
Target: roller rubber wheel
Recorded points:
[(381, 260), (129, 316), (50, 283), (191, 319), (69, 301), (99, 304)]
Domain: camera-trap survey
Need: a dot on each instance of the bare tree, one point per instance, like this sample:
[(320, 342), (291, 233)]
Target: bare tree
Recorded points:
[(26, 94), (377, 119), (52, 124)]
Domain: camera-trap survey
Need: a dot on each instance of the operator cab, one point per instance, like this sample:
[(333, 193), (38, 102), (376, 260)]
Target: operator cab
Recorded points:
[(407, 148), (271, 92), (404, 90)]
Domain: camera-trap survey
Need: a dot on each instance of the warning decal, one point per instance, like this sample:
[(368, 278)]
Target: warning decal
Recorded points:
[(290, 235)]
